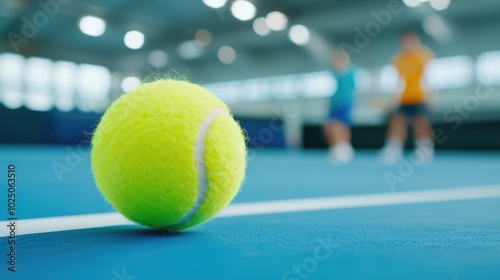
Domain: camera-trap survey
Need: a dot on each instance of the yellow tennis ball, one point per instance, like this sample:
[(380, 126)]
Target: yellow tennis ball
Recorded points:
[(168, 155)]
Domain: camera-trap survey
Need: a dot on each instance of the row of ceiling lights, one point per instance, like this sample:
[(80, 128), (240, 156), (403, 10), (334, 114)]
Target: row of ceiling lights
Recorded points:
[(95, 26), (241, 9), (274, 21)]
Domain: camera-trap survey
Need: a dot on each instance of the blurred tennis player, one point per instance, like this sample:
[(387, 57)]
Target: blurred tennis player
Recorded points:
[(338, 127), (410, 63)]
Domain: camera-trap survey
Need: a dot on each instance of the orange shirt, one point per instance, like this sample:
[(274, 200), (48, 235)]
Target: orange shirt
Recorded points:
[(411, 68)]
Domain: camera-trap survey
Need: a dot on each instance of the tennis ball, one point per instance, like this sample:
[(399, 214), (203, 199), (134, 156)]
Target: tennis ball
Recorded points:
[(168, 155)]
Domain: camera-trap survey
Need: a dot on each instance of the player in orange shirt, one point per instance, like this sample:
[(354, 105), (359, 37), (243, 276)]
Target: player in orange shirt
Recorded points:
[(410, 63)]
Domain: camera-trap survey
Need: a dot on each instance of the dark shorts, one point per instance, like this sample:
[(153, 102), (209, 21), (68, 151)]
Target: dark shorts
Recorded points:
[(412, 111), (341, 114)]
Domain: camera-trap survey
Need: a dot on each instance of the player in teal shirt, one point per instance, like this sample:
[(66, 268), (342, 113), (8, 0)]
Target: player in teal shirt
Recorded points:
[(338, 127)]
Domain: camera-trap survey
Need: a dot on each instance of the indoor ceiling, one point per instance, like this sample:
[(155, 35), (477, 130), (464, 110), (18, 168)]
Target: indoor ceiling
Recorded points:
[(166, 24)]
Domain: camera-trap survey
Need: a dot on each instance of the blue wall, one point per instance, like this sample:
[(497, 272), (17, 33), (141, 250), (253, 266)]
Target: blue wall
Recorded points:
[(23, 126)]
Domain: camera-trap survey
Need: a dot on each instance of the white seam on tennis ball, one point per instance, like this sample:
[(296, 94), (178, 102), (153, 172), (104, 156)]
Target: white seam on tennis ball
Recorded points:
[(199, 153)]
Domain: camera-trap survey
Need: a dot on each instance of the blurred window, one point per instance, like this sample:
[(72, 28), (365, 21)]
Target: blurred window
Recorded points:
[(41, 84), (255, 89), (488, 68), (450, 72), (226, 91), (38, 84), (64, 85), (282, 87), (310, 85), (93, 85), (318, 84), (11, 80)]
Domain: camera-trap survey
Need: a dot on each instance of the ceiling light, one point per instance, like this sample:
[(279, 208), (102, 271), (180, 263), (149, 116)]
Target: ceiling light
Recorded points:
[(134, 39), (260, 27), (435, 26), (215, 3), (203, 37), (440, 5), (189, 50), (226, 55), (276, 21), (243, 10), (299, 34), (92, 26), (412, 3), (130, 83), (158, 58)]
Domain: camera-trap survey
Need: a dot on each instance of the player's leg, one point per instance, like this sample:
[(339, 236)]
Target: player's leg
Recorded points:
[(341, 132), (328, 130), (342, 151), (396, 137), (330, 135), (423, 136)]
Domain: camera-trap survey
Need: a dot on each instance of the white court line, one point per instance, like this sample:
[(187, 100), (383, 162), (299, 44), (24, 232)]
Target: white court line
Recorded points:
[(41, 225)]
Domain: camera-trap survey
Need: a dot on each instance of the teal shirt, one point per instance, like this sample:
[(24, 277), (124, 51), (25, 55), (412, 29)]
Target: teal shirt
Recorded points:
[(344, 94)]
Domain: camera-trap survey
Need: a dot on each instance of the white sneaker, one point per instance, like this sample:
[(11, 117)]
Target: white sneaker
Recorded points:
[(424, 149), (391, 155), (392, 151), (341, 153)]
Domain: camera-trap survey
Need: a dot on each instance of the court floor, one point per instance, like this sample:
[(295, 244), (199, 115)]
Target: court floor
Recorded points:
[(296, 217)]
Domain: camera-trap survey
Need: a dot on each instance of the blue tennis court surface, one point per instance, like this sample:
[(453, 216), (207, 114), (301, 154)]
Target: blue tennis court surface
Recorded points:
[(444, 239)]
